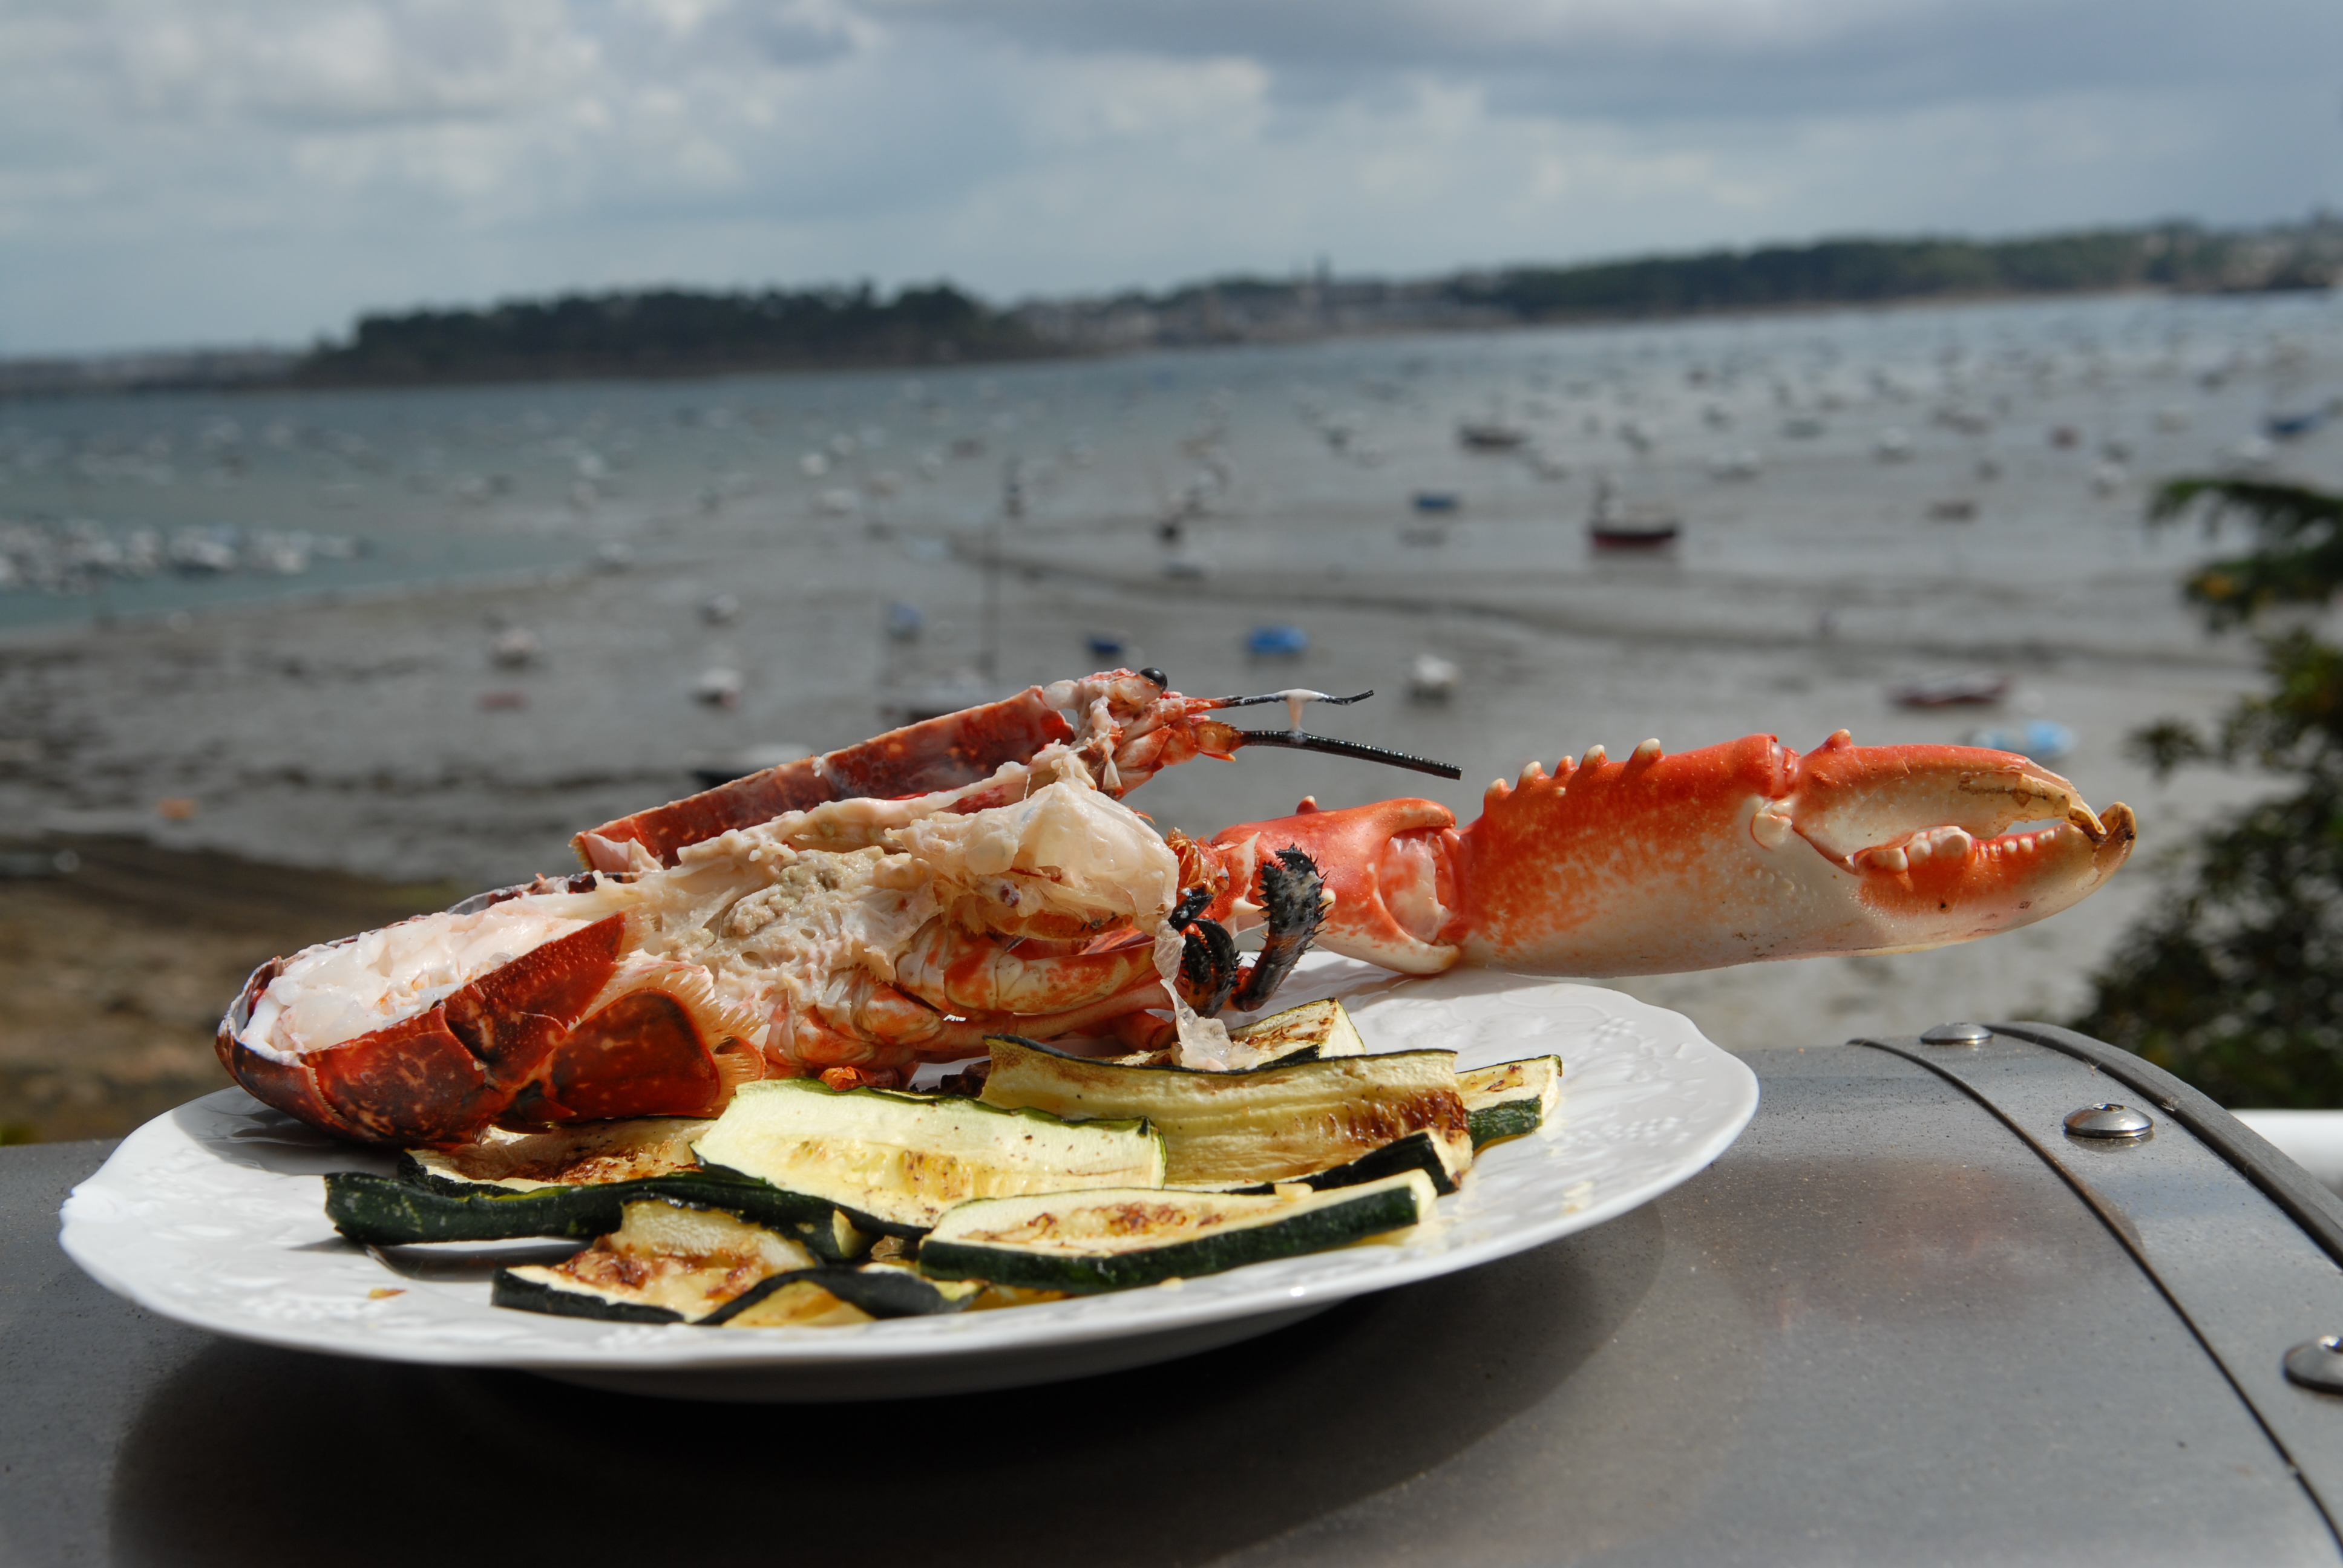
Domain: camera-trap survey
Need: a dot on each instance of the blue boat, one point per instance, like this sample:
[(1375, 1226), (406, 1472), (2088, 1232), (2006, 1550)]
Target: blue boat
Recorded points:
[(1107, 645), (1277, 642), (2042, 740), (1436, 500)]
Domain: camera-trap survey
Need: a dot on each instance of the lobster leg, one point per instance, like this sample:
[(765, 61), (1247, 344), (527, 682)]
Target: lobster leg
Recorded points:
[(1127, 724), (1655, 864), (939, 754)]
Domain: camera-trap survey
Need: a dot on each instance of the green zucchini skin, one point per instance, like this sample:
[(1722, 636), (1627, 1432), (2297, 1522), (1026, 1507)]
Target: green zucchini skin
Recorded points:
[(1512, 1098), (384, 1211), (1509, 1119), (413, 1173), (510, 1290), (1370, 1213)]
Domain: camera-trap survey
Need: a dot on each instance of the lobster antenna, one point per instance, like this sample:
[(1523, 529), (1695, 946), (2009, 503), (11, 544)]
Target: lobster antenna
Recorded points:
[(1301, 740), (1293, 698)]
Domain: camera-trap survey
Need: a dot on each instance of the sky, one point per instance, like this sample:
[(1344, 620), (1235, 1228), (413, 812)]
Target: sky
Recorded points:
[(222, 172)]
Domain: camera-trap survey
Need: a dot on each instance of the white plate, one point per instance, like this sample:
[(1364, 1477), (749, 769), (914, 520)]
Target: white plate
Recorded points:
[(213, 1215)]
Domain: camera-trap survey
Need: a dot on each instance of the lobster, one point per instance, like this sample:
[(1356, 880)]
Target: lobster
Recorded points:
[(893, 902)]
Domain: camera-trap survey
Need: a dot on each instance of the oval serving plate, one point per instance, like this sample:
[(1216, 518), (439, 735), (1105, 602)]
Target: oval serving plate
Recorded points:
[(213, 1214)]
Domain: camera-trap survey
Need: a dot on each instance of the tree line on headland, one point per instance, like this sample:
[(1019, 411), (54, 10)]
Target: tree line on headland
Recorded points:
[(1853, 271), (672, 331), (679, 331)]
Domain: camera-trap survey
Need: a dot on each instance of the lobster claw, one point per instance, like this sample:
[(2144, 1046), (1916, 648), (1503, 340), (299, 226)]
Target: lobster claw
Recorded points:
[(1656, 864)]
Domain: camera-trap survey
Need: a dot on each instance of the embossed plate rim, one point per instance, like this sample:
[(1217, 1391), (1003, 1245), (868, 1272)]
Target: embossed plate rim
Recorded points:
[(1648, 1103)]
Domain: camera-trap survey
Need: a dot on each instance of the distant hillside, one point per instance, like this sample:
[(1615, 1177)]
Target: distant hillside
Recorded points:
[(683, 332), (1858, 271), (672, 332), (2178, 257)]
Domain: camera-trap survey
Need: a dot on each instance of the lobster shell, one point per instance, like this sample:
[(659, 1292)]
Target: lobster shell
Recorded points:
[(515, 1043)]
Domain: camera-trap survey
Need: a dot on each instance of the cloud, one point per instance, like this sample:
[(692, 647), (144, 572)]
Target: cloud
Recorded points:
[(217, 170), (1663, 59)]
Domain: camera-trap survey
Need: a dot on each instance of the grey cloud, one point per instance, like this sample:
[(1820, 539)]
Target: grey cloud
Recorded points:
[(176, 170), (1650, 59)]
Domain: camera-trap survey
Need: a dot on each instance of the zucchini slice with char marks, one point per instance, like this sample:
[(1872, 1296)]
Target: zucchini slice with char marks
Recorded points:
[(1314, 1030), (1419, 1151), (896, 1162), (380, 1211), (667, 1263), (1511, 1097), (1277, 1123), (670, 1263), (1311, 1032), (592, 1154), (1087, 1243)]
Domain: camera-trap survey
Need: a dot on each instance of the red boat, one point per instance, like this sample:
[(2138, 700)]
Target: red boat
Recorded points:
[(1490, 436), (1623, 535), (1973, 691)]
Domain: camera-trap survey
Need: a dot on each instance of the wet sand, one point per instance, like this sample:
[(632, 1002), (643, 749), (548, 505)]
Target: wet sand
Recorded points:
[(113, 977)]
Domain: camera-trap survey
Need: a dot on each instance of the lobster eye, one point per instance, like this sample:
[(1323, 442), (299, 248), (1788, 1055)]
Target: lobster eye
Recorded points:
[(1162, 681)]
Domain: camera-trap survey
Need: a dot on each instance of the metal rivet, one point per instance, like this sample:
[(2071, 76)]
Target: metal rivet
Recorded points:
[(2116, 1121), (1957, 1034), (2317, 1364)]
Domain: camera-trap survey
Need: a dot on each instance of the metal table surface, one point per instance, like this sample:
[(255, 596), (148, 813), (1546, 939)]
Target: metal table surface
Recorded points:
[(1885, 1327)]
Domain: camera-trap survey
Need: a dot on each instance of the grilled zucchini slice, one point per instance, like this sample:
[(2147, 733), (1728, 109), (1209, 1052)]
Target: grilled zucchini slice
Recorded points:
[(593, 1153), (1304, 1033), (1276, 1123), (380, 1211), (670, 1263), (1314, 1031), (1419, 1151), (1086, 1243), (876, 1289), (1511, 1097), (896, 1162), (667, 1263)]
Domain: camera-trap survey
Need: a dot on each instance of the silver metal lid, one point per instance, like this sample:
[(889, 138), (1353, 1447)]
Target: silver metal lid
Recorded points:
[(2317, 1363), (1957, 1034), (2116, 1121)]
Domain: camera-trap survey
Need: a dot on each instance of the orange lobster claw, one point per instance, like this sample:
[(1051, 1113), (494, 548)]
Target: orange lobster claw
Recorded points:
[(1655, 864)]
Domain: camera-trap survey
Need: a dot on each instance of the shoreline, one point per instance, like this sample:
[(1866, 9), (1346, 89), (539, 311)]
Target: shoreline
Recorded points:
[(1473, 323), (113, 976)]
